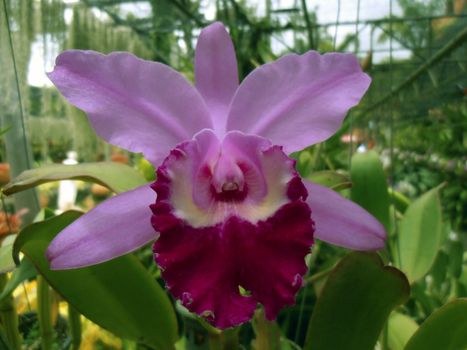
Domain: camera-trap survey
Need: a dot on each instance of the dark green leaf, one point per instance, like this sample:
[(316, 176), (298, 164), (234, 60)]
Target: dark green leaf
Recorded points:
[(119, 295), (356, 301), (420, 233), (445, 329), (369, 187), (116, 176)]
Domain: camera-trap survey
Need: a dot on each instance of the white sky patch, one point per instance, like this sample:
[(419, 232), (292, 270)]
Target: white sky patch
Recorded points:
[(209, 10), (41, 63), (139, 9)]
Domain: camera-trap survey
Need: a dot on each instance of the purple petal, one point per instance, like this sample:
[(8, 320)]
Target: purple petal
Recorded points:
[(297, 101), (216, 72), (115, 227), (342, 222), (138, 105)]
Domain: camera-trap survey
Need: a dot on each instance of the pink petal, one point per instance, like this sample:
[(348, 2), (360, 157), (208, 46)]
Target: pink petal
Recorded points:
[(297, 100), (138, 105), (216, 72), (117, 226), (342, 222)]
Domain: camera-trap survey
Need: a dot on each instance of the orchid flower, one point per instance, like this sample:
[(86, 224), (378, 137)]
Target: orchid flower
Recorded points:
[(228, 211)]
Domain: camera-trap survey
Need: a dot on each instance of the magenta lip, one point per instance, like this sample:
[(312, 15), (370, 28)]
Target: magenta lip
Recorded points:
[(203, 267)]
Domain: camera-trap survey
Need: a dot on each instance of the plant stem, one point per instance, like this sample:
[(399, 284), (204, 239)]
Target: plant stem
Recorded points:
[(267, 332), (9, 317), (44, 313), (74, 320), (309, 29), (319, 275), (215, 341), (230, 339)]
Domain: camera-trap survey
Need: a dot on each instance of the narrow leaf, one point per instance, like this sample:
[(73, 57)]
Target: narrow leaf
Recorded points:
[(330, 179), (115, 176), (24, 272)]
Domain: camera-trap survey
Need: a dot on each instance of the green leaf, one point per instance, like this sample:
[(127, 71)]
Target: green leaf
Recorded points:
[(330, 179), (119, 295), (369, 187), (400, 330), (400, 201), (445, 329), (267, 333), (420, 233), (456, 254), (355, 303), (5, 130), (4, 345), (7, 263), (440, 268), (24, 272), (116, 176)]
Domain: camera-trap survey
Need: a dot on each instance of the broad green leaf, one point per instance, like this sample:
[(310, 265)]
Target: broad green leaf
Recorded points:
[(116, 176), (420, 233), (445, 329), (331, 179), (400, 330), (24, 272), (369, 187), (355, 303), (119, 295)]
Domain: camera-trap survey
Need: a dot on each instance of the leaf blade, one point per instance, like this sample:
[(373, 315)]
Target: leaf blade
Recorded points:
[(354, 304), (420, 234), (115, 176), (444, 329)]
